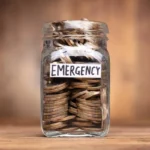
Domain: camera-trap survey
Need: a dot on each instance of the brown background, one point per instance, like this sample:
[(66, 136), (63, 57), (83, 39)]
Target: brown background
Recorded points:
[(21, 24)]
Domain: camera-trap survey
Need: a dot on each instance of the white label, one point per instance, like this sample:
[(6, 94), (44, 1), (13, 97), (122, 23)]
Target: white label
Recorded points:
[(75, 70)]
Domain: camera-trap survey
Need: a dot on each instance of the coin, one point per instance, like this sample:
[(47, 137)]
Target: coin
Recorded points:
[(81, 119), (56, 103), (70, 117), (52, 87), (79, 85), (79, 94), (90, 113), (92, 103), (57, 113), (92, 129), (55, 126), (73, 110), (69, 42), (69, 129), (55, 119), (85, 107), (91, 88), (73, 104), (59, 107), (54, 97), (55, 90), (93, 80), (82, 124), (90, 94), (85, 116)]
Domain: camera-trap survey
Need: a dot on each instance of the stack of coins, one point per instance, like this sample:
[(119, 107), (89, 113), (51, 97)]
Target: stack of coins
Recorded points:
[(55, 105), (86, 104)]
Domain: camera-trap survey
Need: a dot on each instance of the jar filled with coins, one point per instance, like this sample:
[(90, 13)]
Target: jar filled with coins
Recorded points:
[(75, 79)]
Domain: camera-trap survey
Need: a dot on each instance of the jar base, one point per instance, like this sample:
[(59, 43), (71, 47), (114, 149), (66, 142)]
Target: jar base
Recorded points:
[(79, 133)]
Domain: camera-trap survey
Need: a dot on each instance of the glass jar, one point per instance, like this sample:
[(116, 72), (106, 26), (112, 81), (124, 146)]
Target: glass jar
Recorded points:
[(75, 79)]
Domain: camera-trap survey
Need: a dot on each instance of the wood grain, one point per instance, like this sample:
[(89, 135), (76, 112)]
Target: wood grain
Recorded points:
[(21, 27), (30, 138)]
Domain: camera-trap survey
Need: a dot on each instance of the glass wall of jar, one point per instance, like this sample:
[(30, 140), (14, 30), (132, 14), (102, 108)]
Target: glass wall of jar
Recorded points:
[(75, 79)]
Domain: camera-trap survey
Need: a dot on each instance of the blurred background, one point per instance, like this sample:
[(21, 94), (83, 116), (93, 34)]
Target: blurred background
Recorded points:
[(21, 24)]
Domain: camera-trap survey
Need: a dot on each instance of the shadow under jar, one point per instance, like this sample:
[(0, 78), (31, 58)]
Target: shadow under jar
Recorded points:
[(75, 79)]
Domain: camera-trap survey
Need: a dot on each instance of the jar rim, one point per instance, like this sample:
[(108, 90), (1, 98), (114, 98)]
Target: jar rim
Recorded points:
[(81, 27)]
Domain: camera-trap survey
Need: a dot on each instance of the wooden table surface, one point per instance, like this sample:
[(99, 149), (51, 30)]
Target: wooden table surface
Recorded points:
[(31, 138)]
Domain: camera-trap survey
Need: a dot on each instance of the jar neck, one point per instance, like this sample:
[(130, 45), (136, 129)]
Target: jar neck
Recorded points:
[(77, 33), (92, 42)]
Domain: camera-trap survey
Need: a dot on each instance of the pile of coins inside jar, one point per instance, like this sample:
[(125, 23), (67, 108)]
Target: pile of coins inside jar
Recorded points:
[(74, 104)]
